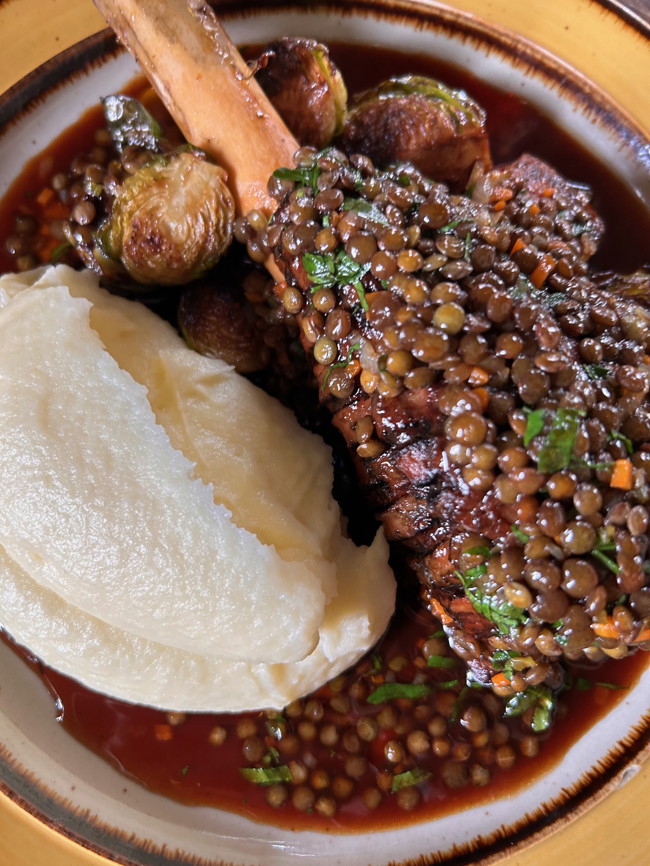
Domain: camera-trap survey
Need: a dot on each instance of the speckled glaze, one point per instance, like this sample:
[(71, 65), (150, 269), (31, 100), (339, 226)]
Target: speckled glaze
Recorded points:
[(61, 805)]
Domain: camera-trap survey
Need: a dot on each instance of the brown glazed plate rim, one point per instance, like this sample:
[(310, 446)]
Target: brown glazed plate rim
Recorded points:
[(624, 758)]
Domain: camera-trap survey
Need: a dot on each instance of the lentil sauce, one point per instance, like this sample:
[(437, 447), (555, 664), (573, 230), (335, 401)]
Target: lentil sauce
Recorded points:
[(335, 760)]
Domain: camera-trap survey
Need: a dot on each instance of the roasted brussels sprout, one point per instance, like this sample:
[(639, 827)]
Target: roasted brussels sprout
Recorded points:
[(169, 222), (305, 87), (422, 121), (218, 321)]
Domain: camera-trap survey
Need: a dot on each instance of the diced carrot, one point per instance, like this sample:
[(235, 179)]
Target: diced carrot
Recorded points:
[(642, 636), (439, 612), (484, 396), (478, 376), (544, 267), (549, 192), (500, 679), (518, 245), (354, 367), (163, 732), (534, 209), (45, 196), (499, 205), (622, 474), (606, 628), (501, 193)]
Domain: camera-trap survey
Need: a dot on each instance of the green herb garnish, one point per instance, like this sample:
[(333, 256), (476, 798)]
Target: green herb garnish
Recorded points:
[(534, 424), (389, 691), (503, 614), (539, 697), (603, 546), (557, 450), (335, 269), (366, 209), (440, 662), (621, 437), (596, 371), (130, 124), (409, 778), (59, 251), (266, 775), (306, 176), (519, 534)]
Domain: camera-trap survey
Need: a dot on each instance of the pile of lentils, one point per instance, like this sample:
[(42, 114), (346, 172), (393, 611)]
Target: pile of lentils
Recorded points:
[(494, 398)]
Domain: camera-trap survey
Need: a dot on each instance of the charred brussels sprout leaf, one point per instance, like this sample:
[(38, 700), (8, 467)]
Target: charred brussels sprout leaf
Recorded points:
[(130, 124), (169, 222), (305, 87), (419, 120)]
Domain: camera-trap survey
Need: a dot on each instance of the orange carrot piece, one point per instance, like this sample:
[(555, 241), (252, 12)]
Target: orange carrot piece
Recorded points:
[(499, 205), (518, 245), (549, 192), (439, 612), (534, 209), (45, 196), (484, 396), (478, 376), (163, 732), (605, 629), (642, 636), (622, 474), (500, 679), (545, 266)]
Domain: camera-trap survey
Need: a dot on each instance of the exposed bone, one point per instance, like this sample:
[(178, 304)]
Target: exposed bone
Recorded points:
[(208, 89)]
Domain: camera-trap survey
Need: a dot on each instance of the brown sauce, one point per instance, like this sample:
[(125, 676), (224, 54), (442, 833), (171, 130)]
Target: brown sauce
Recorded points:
[(198, 759)]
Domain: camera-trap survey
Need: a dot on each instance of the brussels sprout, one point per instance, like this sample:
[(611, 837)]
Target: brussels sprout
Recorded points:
[(422, 121), (169, 222), (218, 322), (130, 124), (305, 87)]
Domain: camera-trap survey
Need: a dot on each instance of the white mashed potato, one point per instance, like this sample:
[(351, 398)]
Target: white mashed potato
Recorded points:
[(167, 531)]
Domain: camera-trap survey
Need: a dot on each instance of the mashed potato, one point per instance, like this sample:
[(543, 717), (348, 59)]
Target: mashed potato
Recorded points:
[(168, 532)]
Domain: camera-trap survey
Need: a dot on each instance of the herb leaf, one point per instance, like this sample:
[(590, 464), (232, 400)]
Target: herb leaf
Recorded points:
[(534, 424), (408, 779), (306, 176), (557, 449), (130, 124), (266, 775), (440, 662), (365, 208), (388, 691), (503, 614), (539, 697)]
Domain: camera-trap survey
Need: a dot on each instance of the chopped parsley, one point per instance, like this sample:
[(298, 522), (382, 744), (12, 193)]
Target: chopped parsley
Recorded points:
[(504, 615), (335, 269), (539, 697), (596, 371), (616, 435), (366, 209), (342, 363), (266, 775), (519, 534), (440, 662), (534, 424), (557, 451), (305, 176), (602, 548), (409, 778), (389, 691)]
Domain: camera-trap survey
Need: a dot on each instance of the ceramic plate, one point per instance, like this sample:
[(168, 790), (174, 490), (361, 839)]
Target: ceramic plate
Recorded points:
[(50, 776)]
